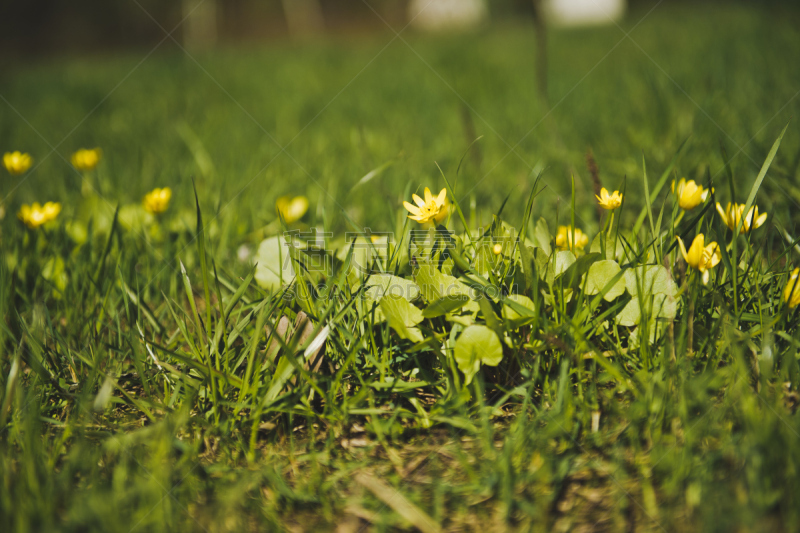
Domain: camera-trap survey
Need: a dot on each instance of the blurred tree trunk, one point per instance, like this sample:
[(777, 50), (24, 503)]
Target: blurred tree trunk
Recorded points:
[(200, 24), (541, 50), (303, 17)]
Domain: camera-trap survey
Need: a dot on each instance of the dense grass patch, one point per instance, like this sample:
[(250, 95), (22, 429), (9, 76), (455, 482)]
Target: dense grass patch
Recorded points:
[(477, 373)]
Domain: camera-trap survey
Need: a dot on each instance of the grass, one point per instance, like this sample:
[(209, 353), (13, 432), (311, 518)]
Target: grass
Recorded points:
[(152, 379)]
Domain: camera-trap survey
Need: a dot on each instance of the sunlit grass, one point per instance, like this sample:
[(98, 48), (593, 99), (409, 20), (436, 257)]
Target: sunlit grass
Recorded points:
[(213, 333)]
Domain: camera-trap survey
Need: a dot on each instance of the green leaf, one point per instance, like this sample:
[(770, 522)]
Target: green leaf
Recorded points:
[(653, 279), (361, 258), (510, 313), (653, 286), (528, 266), (614, 248), (600, 275), (274, 266), (201, 251), (380, 285), (374, 173), (630, 315), (760, 178), (573, 276), (402, 316), (542, 236), (550, 268), (477, 345), (398, 310), (53, 271), (445, 305), (435, 285)]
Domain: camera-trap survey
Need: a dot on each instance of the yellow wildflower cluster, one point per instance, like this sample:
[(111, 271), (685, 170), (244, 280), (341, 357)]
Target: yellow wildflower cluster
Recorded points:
[(157, 200), (36, 215), (689, 194), (17, 162), (566, 239), (86, 159)]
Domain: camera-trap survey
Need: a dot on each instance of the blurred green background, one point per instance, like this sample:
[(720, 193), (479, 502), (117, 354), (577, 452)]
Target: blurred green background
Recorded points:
[(252, 121)]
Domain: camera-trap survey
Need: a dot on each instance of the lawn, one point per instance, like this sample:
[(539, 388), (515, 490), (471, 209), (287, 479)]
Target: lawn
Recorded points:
[(152, 378)]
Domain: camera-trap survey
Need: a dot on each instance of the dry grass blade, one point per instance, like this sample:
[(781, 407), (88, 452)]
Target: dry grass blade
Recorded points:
[(399, 503)]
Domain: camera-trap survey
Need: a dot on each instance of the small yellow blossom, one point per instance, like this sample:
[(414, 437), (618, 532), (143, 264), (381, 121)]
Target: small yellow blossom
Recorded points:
[(85, 159), (292, 209), (35, 215), (427, 209), (701, 256), (689, 194), (17, 162), (567, 241), (733, 214), (157, 200), (609, 201), (791, 293), (497, 249)]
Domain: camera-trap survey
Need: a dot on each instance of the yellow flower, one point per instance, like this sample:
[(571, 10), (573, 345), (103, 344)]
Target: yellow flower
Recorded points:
[(791, 293), (497, 249), (427, 209), (701, 256), (733, 214), (36, 215), (566, 240), (609, 201), (443, 212), (157, 200), (292, 209), (17, 162), (689, 194), (85, 159)]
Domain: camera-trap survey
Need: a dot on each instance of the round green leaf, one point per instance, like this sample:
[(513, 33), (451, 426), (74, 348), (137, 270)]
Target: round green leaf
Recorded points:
[(600, 275), (398, 310), (653, 279), (274, 264), (477, 345)]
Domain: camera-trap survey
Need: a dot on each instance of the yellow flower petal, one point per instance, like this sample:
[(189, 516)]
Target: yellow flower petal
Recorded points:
[(683, 249), (791, 293), (441, 198), (414, 210)]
